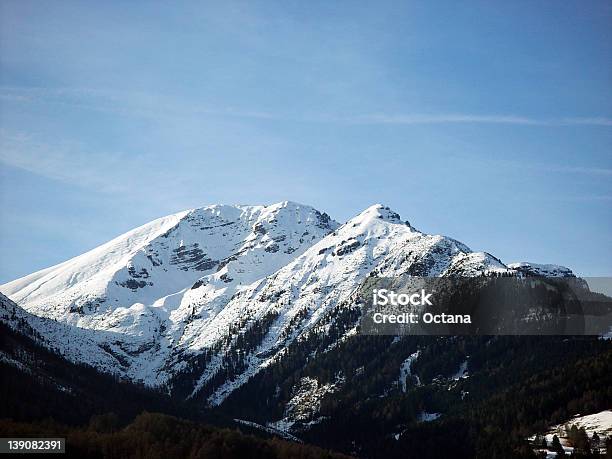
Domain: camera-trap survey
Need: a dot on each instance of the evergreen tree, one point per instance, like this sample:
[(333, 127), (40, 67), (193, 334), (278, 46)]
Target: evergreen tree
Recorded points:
[(582, 441), (595, 441), (537, 441), (556, 446)]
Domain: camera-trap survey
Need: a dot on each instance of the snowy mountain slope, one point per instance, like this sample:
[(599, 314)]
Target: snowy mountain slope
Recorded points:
[(88, 274), (73, 343), (203, 300), (296, 298), (162, 257), (144, 286)]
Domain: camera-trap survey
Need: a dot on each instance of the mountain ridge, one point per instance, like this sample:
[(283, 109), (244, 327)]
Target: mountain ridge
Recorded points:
[(186, 293)]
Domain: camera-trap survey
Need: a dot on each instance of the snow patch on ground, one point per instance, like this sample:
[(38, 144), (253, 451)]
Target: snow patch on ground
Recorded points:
[(461, 372), (599, 422), (424, 416), (268, 429), (406, 371)]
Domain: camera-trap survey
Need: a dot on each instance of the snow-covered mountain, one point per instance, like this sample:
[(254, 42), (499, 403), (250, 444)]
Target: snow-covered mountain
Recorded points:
[(184, 299), (225, 246), (141, 290)]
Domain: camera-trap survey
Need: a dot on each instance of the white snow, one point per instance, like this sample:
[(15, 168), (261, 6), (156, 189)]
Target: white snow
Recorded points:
[(271, 430), (424, 416), (598, 422), (406, 371), (461, 372), (537, 269)]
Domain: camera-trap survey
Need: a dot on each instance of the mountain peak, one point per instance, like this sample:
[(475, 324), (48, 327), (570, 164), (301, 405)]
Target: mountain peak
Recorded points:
[(537, 269), (290, 204), (377, 212), (230, 245)]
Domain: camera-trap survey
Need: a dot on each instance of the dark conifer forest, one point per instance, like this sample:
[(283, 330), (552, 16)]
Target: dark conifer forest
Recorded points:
[(518, 387)]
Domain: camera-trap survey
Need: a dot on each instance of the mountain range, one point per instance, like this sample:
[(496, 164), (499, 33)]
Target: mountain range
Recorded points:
[(249, 311)]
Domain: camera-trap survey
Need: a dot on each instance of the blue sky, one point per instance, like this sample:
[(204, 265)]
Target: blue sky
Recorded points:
[(490, 122)]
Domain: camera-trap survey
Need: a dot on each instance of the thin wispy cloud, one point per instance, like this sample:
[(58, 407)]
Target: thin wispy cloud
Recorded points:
[(160, 107), (580, 170), (588, 121), (71, 163), (59, 163), (586, 198), (572, 169), (126, 103), (463, 118), (443, 119)]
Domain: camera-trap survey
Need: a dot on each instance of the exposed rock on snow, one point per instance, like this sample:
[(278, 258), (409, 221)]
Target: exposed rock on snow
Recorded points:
[(305, 403)]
